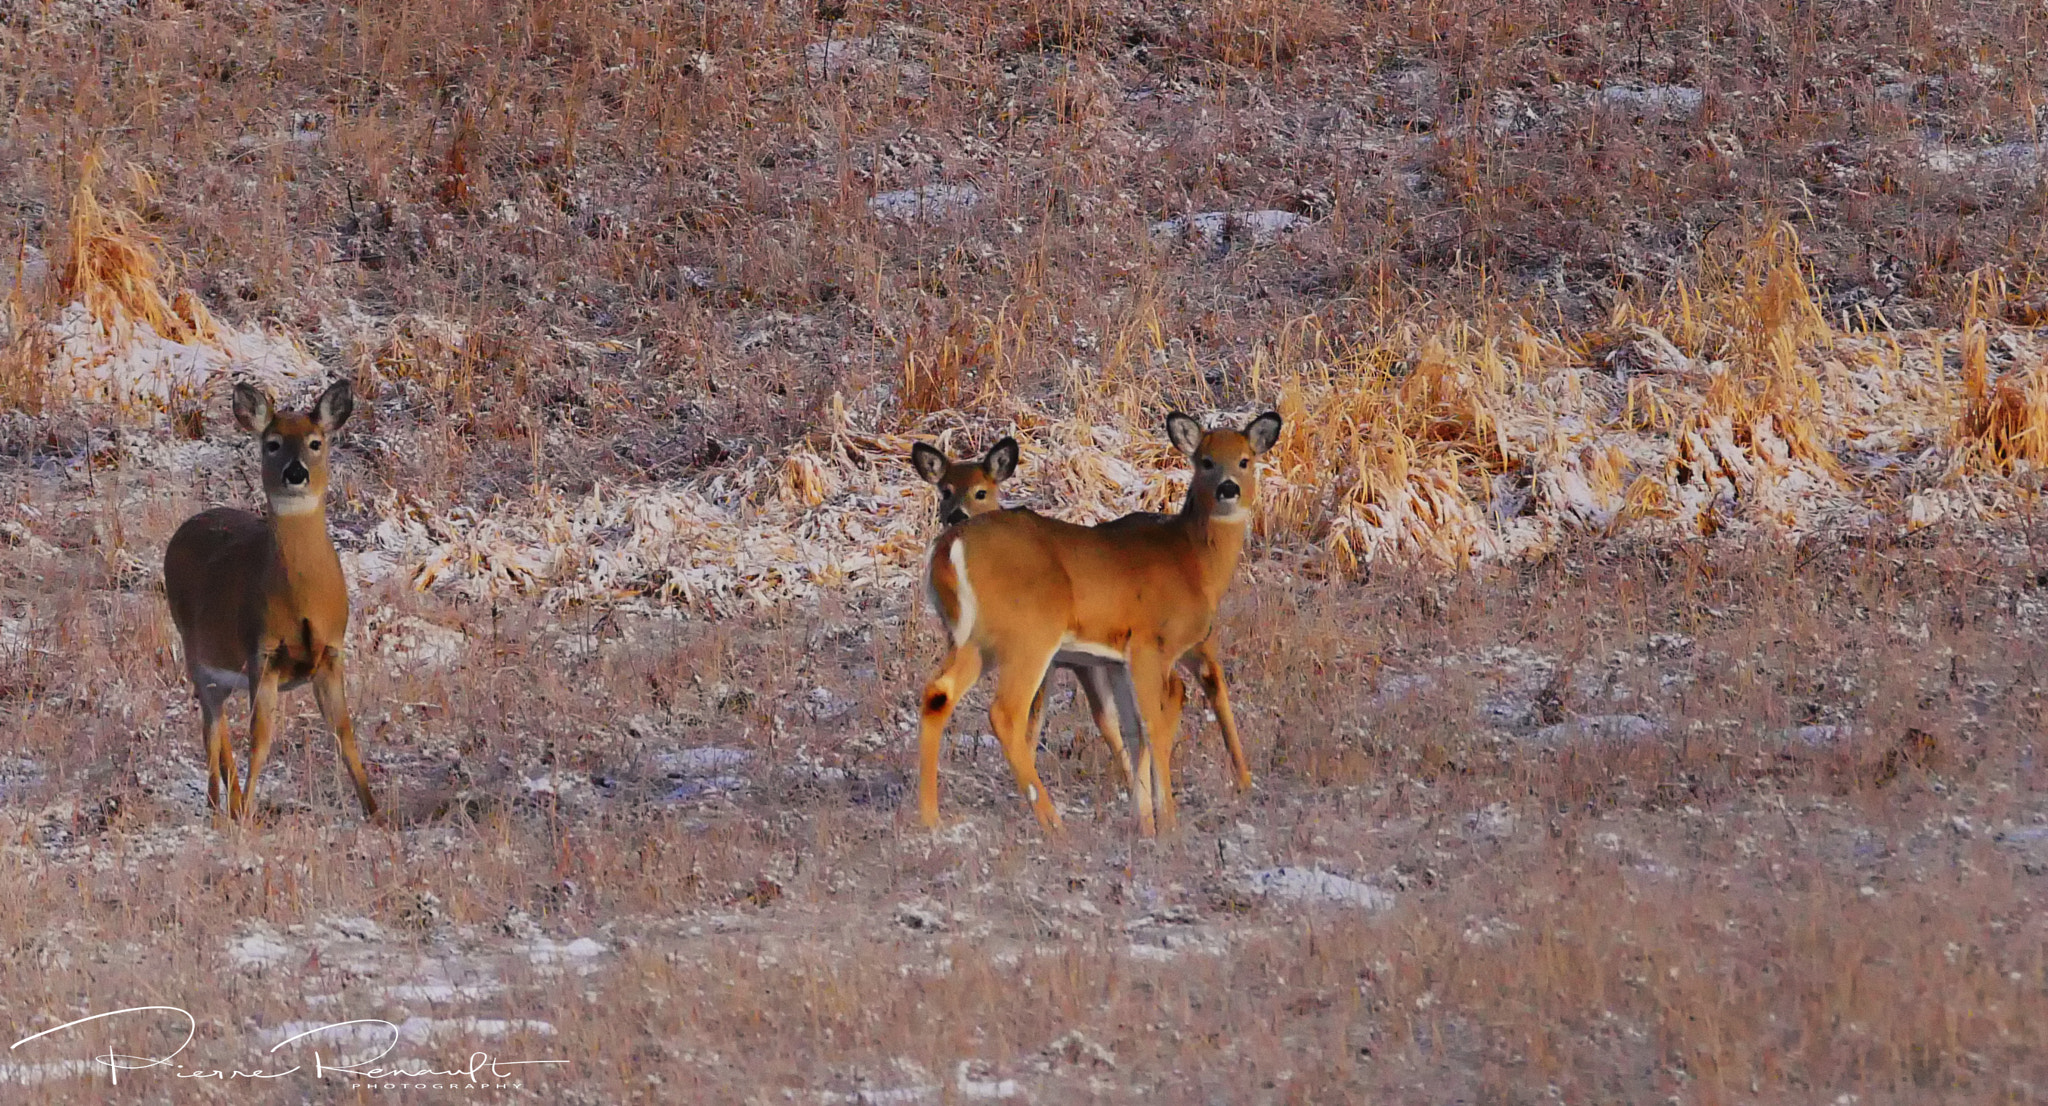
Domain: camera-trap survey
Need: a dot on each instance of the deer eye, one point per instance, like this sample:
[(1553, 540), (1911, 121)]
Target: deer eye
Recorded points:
[(314, 445), (272, 446), (1207, 463), (981, 494), (1244, 462)]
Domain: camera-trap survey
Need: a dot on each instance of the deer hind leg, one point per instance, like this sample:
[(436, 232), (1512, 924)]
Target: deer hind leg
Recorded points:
[(1110, 701), (1210, 671), (263, 688), (1019, 677), (329, 688), (1036, 725), (941, 695)]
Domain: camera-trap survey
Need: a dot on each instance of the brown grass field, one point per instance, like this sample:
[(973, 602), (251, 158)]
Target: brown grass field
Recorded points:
[(1641, 653)]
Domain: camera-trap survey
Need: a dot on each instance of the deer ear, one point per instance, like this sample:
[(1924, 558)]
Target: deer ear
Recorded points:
[(1184, 432), (334, 406), (1001, 461), (252, 407), (929, 463), (1264, 431)]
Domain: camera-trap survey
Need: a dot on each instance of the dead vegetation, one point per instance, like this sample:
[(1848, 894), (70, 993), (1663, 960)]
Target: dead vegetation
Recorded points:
[(647, 305), (1726, 825)]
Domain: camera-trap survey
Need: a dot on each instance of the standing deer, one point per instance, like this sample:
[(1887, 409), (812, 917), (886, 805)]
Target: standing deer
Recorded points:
[(969, 488), (1018, 589), (259, 600)]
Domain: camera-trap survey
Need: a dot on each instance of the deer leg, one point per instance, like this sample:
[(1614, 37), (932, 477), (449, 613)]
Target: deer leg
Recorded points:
[(1210, 671), (1110, 703), (329, 689), (1037, 723), (1018, 678), (220, 754), (1154, 682), (263, 686), (941, 695)]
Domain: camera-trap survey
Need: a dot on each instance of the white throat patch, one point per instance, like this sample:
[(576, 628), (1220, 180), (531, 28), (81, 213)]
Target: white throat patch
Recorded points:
[(297, 504)]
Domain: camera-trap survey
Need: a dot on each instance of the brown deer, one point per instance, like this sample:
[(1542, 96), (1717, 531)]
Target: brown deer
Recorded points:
[(1019, 589), (259, 600), (969, 488)]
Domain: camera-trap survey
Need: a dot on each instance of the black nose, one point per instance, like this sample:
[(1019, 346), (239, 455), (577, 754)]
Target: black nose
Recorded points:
[(956, 515), (1227, 490), (295, 474)]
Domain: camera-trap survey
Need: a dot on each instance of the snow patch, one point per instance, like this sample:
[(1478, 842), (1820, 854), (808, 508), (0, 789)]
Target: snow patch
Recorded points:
[(1675, 101), (29, 1075), (925, 203), (1614, 729), (1225, 229), (258, 949), (972, 1086), (1316, 885), (411, 642), (132, 365), (412, 1031)]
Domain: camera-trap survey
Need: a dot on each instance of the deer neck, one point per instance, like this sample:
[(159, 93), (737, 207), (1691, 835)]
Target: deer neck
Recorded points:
[(305, 552), (1217, 543)]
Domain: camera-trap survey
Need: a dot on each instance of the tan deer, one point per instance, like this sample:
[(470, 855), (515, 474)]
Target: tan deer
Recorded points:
[(1018, 589), (969, 488), (260, 601)]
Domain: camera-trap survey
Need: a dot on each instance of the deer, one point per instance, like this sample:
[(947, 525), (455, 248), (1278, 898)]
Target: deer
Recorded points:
[(969, 488), (260, 602), (1016, 589)]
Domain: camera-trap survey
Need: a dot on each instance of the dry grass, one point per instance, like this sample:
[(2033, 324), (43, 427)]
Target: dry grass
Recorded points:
[(113, 265), (1749, 820), (1817, 876)]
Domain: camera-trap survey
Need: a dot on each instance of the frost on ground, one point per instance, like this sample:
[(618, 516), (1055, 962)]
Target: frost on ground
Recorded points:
[(128, 363), (1609, 728), (926, 202), (1651, 100), (1447, 449), (29, 1075), (412, 1031), (1313, 885), (1601, 450), (2010, 158), (1222, 230)]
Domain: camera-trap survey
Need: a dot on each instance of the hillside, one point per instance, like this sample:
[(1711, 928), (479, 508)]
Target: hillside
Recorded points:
[(1639, 646)]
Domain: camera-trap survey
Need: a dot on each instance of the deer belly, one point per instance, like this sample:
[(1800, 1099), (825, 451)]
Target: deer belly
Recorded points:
[(1088, 654), (223, 677)]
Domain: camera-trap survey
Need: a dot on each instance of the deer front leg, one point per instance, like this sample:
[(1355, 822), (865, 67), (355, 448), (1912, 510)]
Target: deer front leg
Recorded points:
[(328, 688), (214, 730), (1019, 675), (263, 685), (220, 752)]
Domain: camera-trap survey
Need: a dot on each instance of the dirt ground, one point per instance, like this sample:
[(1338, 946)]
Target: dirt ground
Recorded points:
[(1703, 824), (1641, 655)]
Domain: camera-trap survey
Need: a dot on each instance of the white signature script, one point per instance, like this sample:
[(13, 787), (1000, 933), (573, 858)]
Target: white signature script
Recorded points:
[(479, 1065)]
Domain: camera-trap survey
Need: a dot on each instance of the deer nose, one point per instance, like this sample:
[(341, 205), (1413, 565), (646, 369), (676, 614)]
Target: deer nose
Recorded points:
[(1227, 490), (295, 474), (955, 516)]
